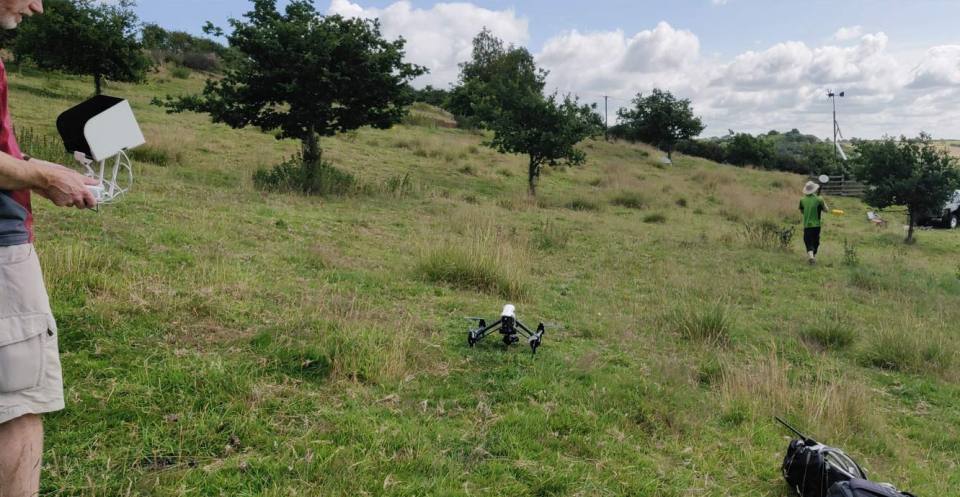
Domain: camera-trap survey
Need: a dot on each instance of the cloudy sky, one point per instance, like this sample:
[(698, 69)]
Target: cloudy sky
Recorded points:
[(747, 65)]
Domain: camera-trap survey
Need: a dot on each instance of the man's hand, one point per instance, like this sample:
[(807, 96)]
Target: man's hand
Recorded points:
[(64, 186)]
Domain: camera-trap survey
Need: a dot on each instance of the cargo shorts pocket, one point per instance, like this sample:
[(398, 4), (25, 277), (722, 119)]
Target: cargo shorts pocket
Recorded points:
[(22, 343)]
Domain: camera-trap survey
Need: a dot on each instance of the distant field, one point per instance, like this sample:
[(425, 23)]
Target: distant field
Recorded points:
[(222, 341)]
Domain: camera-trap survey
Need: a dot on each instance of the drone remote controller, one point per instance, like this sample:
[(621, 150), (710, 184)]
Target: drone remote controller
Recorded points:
[(97, 191)]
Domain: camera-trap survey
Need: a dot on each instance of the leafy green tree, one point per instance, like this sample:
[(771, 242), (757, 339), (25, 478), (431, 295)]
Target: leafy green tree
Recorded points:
[(915, 173), (493, 67), (501, 88), (660, 119), (545, 129), (86, 37), (303, 76), (744, 149)]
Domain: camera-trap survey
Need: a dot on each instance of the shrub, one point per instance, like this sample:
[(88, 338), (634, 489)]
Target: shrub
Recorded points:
[(630, 200), (201, 61), (180, 72), (293, 176)]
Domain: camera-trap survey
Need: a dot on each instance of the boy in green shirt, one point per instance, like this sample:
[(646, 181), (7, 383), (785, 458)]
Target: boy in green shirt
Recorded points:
[(812, 207)]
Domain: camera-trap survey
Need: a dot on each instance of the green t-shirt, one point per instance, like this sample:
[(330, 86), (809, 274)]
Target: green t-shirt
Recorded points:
[(811, 206)]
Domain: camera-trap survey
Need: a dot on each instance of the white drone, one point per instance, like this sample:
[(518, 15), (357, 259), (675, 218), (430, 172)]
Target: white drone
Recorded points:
[(101, 130)]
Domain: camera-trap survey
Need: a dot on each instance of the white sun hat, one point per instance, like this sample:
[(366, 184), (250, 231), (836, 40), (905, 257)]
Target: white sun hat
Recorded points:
[(810, 187)]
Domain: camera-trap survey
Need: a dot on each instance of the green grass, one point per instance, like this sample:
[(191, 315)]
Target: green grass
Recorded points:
[(221, 340)]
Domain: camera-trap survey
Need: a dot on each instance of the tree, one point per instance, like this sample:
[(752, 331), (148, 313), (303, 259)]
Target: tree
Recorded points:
[(86, 37), (660, 119), (492, 69), (304, 76), (546, 130), (914, 173), (502, 88), (745, 149)]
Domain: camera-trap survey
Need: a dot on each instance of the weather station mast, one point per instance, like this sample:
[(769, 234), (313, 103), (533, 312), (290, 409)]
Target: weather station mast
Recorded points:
[(838, 152)]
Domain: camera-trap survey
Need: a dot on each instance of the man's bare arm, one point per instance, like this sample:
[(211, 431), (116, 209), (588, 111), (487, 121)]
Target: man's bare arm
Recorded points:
[(16, 174), (63, 186)]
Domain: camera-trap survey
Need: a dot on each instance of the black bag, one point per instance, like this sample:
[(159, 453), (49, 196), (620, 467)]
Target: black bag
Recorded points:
[(864, 488), (811, 468)]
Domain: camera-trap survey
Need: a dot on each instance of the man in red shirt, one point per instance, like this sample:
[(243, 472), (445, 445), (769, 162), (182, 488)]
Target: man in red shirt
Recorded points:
[(30, 380)]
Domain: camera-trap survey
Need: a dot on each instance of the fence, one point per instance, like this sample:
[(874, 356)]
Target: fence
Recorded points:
[(842, 186)]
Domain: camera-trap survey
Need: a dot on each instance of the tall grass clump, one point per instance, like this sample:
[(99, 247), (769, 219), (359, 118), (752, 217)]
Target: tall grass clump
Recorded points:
[(767, 234), (910, 347), (655, 218), (76, 270), (155, 155), (709, 323), (293, 176), (840, 406), (367, 353), (487, 263), (864, 278), (630, 200), (401, 186), (582, 204), (43, 146), (829, 334), (550, 236)]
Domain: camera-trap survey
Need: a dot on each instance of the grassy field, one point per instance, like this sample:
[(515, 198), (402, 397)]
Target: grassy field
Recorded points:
[(221, 341)]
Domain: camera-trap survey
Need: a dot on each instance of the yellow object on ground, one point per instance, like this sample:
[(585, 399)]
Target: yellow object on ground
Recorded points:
[(837, 212)]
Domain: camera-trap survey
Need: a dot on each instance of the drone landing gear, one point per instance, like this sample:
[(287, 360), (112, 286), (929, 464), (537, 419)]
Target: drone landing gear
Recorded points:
[(510, 328)]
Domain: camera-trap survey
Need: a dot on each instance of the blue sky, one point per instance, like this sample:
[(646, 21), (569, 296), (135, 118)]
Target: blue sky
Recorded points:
[(726, 29), (748, 65)]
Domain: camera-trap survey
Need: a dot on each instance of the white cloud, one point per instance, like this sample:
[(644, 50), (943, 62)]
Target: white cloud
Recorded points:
[(611, 62), (848, 33), (940, 68), (780, 87), (440, 37)]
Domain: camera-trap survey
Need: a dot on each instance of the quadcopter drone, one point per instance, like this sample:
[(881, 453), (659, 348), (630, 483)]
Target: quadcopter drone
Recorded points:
[(509, 326), (98, 132)]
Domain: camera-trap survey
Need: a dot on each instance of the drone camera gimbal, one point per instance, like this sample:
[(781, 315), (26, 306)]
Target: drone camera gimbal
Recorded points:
[(510, 328)]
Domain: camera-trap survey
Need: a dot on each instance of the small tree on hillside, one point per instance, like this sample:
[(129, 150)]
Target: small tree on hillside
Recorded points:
[(660, 119), (304, 76), (545, 129), (914, 173), (502, 88), (492, 69), (86, 37)]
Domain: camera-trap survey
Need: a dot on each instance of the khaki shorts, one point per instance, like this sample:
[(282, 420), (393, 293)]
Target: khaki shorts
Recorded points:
[(30, 377)]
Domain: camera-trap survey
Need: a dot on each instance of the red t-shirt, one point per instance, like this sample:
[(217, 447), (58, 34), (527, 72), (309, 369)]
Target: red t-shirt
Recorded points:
[(8, 144)]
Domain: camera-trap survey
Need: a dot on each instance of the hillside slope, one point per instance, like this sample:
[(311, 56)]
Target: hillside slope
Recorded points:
[(221, 341)]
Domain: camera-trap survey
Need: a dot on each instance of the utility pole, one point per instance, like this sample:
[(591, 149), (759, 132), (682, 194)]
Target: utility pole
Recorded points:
[(606, 119)]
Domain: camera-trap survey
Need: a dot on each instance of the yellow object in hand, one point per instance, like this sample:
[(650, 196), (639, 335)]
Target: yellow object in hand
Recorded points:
[(837, 212)]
